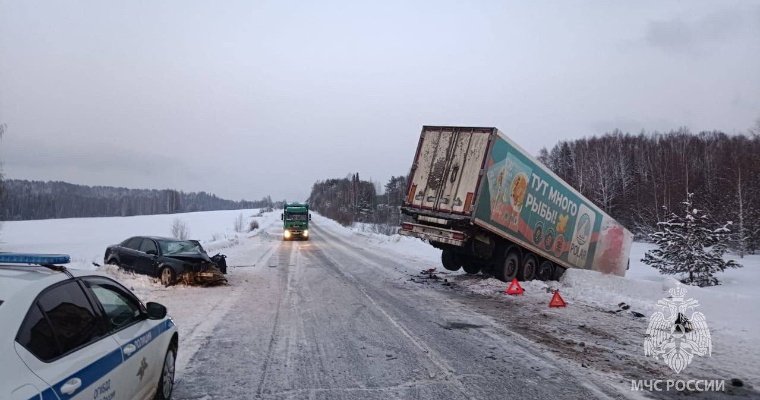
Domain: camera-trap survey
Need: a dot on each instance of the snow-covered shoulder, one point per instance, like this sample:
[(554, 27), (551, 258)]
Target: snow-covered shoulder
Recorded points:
[(86, 239)]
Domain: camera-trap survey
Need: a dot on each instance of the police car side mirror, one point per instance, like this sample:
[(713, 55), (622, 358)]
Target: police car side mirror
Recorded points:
[(282, 216), (155, 310), (310, 217)]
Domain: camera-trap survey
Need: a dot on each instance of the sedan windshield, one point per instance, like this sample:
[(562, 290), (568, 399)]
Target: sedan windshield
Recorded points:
[(183, 246)]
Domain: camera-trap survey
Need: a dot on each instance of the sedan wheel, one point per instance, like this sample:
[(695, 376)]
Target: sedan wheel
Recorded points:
[(167, 276), (166, 383)]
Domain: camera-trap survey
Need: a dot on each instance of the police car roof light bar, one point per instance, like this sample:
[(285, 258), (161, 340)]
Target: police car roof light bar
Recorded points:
[(50, 261), (34, 259)]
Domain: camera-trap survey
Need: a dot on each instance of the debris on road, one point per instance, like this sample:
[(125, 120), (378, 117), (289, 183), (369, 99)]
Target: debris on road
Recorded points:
[(430, 274), (209, 276)]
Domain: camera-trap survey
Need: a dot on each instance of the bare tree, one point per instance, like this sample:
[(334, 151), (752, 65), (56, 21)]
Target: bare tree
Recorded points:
[(741, 231), (606, 186), (239, 223), (755, 130), (3, 128), (634, 176), (180, 229)]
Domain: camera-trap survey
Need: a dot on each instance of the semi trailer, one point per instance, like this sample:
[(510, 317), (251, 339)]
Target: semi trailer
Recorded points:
[(490, 206)]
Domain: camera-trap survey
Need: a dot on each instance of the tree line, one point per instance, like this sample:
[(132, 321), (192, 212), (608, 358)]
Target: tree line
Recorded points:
[(25, 200), (639, 179), (350, 199)]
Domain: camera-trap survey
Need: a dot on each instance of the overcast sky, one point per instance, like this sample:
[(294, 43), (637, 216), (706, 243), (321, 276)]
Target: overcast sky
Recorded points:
[(249, 98)]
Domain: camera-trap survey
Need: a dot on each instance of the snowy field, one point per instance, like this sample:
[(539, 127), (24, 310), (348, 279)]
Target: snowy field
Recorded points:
[(86, 239), (728, 307)]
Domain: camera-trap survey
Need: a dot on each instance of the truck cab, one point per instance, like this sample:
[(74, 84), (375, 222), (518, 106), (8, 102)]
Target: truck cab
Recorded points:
[(295, 218)]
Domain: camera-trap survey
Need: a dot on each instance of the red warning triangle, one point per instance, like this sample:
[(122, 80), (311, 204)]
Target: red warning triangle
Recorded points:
[(514, 288), (557, 300)]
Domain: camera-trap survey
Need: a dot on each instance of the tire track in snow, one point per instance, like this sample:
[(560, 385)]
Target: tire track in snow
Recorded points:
[(446, 369), (198, 335), (284, 252), (497, 335)]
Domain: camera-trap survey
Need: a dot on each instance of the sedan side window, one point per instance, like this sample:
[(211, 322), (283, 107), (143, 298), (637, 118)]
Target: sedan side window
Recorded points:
[(61, 321), (148, 246), (134, 243), (121, 308)]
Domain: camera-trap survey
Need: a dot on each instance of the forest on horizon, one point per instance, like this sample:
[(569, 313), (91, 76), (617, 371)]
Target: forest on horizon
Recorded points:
[(25, 200), (639, 179)]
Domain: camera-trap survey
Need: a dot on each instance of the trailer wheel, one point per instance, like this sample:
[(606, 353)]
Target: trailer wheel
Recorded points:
[(470, 268), (450, 261), (527, 271), (558, 271), (508, 270), (545, 271)]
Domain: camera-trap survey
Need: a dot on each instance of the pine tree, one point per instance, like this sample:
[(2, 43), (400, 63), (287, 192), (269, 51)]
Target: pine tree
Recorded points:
[(688, 247)]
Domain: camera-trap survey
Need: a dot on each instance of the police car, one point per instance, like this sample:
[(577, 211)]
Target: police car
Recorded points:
[(78, 335)]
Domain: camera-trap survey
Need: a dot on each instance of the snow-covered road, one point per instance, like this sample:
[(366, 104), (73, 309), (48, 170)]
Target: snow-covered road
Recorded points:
[(349, 315), (331, 319)]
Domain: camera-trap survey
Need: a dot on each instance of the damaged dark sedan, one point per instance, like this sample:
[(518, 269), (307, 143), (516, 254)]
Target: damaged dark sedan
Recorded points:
[(170, 260)]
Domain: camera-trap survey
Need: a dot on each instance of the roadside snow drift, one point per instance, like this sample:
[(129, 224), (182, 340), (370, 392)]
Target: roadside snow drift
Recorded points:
[(86, 239)]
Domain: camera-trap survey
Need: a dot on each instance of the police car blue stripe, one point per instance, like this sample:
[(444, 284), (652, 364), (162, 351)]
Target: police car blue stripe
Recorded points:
[(48, 394), (100, 368), (91, 373), (141, 341)]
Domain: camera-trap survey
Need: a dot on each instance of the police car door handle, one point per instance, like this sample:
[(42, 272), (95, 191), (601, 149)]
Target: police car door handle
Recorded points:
[(129, 349), (71, 386)]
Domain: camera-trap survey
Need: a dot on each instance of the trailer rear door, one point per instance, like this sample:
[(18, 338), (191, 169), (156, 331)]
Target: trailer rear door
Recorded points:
[(446, 171)]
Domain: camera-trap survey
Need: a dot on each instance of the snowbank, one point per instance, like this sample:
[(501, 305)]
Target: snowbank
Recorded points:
[(727, 308)]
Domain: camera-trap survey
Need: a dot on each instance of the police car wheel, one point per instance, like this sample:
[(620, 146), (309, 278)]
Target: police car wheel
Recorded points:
[(166, 382)]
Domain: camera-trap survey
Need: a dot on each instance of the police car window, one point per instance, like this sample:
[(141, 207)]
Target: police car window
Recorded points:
[(37, 336), (121, 309), (72, 318)]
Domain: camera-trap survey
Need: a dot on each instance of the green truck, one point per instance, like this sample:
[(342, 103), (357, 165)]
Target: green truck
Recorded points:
[(490, 206), (295, 218)]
